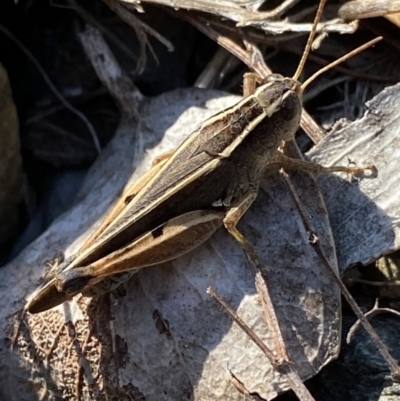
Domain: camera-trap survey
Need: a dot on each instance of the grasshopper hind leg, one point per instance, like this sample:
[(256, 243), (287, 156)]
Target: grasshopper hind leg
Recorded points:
[(108, 284), (174, 238)]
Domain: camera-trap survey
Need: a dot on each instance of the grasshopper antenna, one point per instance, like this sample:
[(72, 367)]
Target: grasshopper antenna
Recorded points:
[(310, 40), (340, 60), (307, 49)]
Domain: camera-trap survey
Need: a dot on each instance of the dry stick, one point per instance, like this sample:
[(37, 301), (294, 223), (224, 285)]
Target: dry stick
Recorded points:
[(262, 16), (214, 68), (127, 16), (52, 87), (282, 8), (393, 365), (54, 109), (295, 382), (265, 297), (117, 82), (285, 44), (269, 15), (231, 10), (282, 365), (254, 61), (257, 340), (89, 19)]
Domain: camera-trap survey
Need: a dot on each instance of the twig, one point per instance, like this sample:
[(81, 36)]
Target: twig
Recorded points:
[(376, 310), (127, 16), (225, 42), (89, 19), (257, 340), (215, 69), (287, 43), (110, 73), (234, 12), (284, 366), (54, 109)]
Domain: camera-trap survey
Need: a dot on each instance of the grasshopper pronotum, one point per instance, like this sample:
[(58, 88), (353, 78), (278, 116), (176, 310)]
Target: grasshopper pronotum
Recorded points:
[(186, 196)]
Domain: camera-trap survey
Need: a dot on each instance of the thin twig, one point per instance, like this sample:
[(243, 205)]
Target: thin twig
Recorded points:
[(285, 367), (376, 310), (52, 87), (89, 19), (110, 73), (214, 69), (224, 41), (257, 340), (54, 109), (127, 16), (287, 43)]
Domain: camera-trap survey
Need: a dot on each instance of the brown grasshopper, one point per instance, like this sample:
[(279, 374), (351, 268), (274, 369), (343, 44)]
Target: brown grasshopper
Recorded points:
[(210, 180)]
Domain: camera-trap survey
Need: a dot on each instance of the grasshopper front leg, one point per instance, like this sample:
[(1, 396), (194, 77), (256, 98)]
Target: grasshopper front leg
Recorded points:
[(315, 168)]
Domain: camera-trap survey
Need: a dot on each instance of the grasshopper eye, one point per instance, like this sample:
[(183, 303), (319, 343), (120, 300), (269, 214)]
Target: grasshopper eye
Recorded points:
[(291, 107)]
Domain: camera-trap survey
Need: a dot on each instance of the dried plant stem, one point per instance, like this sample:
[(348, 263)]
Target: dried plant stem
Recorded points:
[(283, 365), (376, 310)]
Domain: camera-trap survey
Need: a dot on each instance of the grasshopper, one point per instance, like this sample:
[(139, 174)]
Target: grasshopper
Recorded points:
[(209, 181)]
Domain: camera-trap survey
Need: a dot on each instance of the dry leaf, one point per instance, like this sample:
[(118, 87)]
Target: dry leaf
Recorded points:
[(365, 215)]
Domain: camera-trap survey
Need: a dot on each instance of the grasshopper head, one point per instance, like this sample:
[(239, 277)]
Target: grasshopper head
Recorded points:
[(281, 99)]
